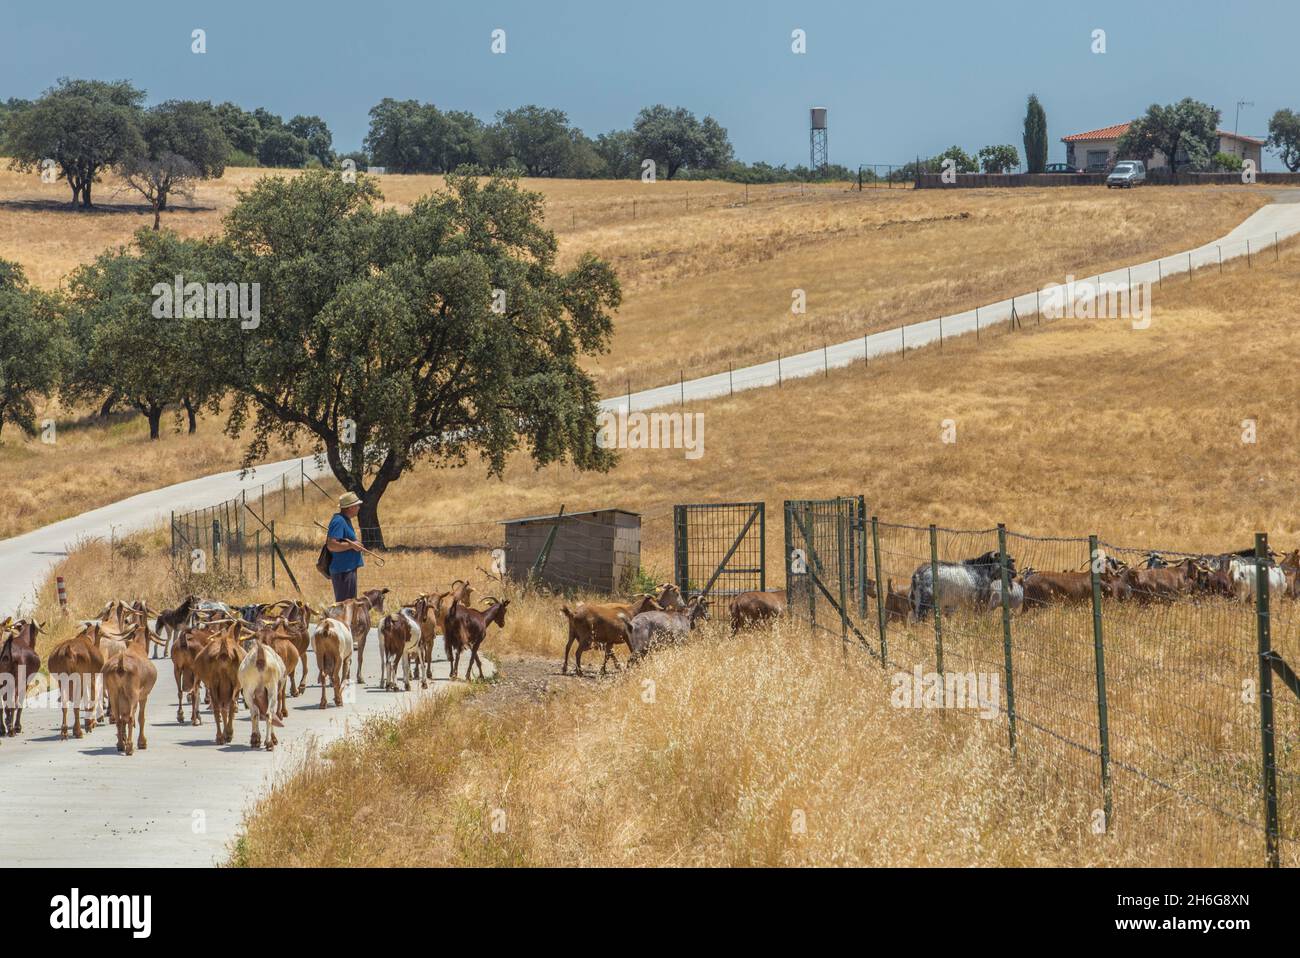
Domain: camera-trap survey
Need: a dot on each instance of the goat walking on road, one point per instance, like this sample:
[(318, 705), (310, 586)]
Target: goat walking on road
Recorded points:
[(401, 637), (129, 677), (467, 628)]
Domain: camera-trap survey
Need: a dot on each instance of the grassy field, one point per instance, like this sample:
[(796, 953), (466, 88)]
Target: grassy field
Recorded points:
[(1079, 426), (93, 462), (777, 749), (708, 268)]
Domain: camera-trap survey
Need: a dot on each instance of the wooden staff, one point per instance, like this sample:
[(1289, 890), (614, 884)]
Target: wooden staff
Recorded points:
[(363, 548)]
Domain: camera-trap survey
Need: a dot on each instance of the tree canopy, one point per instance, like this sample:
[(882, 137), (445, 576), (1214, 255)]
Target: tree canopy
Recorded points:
[(1284, 137), (1187, 128), (32, 347), (999, 159), (384, 336), (183, 142), (675, 139), (121, 347), (84, 126)]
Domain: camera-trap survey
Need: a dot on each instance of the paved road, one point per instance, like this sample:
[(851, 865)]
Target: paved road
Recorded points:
[(78, 802), (26, 560), (178, 803), (1253, 236)]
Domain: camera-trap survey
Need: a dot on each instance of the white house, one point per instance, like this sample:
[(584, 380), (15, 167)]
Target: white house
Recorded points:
[(1094, 151)]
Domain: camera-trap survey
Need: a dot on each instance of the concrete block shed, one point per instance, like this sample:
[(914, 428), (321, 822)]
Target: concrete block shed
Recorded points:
[(596, 550)]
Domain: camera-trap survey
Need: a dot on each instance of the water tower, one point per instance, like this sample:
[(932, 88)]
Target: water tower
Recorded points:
[(818, 155)]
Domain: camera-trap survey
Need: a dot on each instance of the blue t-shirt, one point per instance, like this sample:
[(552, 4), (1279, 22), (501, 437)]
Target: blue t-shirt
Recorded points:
[(341, 528)]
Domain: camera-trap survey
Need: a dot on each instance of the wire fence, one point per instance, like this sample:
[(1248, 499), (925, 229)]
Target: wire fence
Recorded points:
[(1147, 689), (1125, 294)]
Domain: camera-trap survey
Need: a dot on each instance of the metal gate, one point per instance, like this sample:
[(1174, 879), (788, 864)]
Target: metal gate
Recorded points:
[(826, 564), (719, 548)]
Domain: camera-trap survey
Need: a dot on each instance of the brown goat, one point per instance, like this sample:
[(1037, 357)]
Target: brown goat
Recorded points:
[(467, 627), (187, 644), (601, 623), (400, 637), (897, 604), (73, 664), (217, 667), (755, 608), (129, 677), (18, 659)]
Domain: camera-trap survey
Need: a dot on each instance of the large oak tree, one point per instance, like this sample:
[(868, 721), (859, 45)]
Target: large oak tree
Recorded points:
[(396, 337), (84, 126)]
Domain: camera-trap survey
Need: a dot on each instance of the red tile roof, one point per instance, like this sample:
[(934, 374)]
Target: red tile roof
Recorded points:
[(1105, 133), (1116, 131)]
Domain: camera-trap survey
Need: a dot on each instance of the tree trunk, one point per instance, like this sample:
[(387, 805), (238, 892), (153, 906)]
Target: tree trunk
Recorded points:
[(351, 477), (372, 534), (157, 217), (162, 199), (154, 413), (108, 405), (85, 194), (189, 411)]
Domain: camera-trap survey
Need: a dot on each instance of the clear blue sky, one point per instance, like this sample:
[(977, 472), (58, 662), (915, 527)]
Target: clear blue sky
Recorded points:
[(899, 78)]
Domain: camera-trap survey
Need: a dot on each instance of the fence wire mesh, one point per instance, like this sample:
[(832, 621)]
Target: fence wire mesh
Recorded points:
[(1133, 674)]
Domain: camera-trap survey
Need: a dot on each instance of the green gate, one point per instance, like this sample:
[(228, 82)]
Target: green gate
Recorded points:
[(719, 548), (826, 564)]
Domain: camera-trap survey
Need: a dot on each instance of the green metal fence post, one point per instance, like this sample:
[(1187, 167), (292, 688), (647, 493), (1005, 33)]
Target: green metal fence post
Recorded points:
[(682, 550), (810, 550), (1269, 771), (862, 558), (272, 554), (1006, 637), (881, 591), (843, 571), (762, 547), (788, 561), (934, 592), (1099, 656)]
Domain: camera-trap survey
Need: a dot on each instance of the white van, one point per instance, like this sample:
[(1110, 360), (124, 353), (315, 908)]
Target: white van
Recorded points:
[(1127, 173)]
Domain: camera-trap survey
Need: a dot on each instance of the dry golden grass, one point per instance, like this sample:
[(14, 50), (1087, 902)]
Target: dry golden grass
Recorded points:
[(1075, 427), (767, 749), (93, 462), (708, 275)]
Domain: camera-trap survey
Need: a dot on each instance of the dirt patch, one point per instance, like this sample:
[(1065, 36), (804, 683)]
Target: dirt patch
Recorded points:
[(531, 679)]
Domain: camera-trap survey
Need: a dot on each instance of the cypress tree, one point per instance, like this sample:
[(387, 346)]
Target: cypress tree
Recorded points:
[(1035, 136)]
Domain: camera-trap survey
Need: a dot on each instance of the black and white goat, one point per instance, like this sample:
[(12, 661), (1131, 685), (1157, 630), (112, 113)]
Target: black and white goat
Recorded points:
[(965, 583)]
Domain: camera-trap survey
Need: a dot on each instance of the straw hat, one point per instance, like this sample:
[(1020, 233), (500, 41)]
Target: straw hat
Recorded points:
[(348, 499)]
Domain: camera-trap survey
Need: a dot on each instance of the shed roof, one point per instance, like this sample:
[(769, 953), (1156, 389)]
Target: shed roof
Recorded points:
[(567, 515)]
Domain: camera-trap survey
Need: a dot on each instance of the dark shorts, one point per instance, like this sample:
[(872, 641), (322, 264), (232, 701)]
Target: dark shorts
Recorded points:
[(345, 585)]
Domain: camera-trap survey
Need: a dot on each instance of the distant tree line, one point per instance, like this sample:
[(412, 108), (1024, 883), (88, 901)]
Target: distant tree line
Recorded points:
[(88, 127)]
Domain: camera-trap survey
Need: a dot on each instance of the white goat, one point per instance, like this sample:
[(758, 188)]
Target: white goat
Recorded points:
[(1242, 573), (262, 676)]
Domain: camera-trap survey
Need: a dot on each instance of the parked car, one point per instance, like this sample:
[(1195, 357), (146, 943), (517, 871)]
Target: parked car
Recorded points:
[(1060, 168), (1127, 173)]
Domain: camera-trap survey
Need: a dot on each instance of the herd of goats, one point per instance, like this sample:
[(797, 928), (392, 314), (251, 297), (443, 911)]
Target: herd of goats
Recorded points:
[(977, 582), (222, 653), (226, 653), (258, 653)]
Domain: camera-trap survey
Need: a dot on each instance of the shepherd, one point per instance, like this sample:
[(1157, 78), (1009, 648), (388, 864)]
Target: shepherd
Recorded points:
[(344, 548)]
